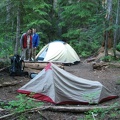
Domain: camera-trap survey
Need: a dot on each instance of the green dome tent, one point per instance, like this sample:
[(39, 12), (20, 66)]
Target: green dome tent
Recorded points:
[(58, 51)]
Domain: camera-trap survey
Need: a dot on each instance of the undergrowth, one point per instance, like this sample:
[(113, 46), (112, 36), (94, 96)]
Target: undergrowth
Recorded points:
[(21, 105), (110, 113)]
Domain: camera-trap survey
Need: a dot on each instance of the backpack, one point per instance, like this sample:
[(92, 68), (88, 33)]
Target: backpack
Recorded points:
[(16, 67)]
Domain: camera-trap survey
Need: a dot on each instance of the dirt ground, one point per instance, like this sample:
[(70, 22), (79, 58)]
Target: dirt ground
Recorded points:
[(109, 77)]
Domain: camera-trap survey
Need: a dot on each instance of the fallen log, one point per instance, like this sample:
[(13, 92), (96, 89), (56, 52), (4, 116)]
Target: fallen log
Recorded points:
[(103, 65), (72, 109), (115, 65), (12, 83), (1, 109), (100, 66), (101, 54), (38, 65), (110, 52), (30, 70), (91, 59)]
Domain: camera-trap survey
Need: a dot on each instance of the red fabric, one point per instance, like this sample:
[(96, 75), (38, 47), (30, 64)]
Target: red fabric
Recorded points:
[(108, 98), (25, 41), (42, 97), (48, 67), (37, 96)]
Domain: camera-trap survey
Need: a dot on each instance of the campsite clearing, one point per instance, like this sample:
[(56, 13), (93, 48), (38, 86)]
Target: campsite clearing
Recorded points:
[(110, 77)]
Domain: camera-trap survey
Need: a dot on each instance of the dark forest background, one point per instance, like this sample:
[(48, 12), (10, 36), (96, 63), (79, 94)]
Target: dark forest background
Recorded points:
[(84, 24)]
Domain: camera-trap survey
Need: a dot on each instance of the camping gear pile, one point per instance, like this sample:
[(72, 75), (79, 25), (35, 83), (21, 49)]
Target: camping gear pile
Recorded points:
[(17, 67)]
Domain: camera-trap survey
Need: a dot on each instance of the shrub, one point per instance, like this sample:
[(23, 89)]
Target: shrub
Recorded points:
[(118, 47)]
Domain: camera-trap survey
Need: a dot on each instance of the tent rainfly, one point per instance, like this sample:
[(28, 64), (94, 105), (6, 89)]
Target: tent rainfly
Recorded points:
[(58, 86), (58, 51)]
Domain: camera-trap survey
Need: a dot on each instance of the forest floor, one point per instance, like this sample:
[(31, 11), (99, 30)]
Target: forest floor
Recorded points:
[(109, 77)]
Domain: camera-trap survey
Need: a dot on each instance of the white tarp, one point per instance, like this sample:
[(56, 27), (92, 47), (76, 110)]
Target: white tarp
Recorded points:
[(58, 86)]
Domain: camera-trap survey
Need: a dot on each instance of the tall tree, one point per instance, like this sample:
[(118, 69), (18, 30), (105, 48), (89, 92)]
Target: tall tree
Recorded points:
[(17, 31), (116, 28), (107, 24), (18, 16), (78, 22)]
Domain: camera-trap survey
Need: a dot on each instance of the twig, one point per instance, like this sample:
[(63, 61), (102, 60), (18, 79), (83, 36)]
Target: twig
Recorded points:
[(29, 110), (4, 68), (6, 116), (42, 115), (93, 116)]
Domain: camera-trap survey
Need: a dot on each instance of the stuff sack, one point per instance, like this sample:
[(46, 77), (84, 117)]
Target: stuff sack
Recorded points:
[(32, 75), (16, 67)]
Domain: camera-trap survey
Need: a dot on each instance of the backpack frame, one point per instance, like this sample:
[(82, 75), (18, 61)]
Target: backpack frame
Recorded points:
[(17, 66)]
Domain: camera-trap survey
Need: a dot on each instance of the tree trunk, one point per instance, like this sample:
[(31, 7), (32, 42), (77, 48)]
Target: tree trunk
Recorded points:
[(8, 10), (55, 4), (108, 18), (17, 30), (115, 32)]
